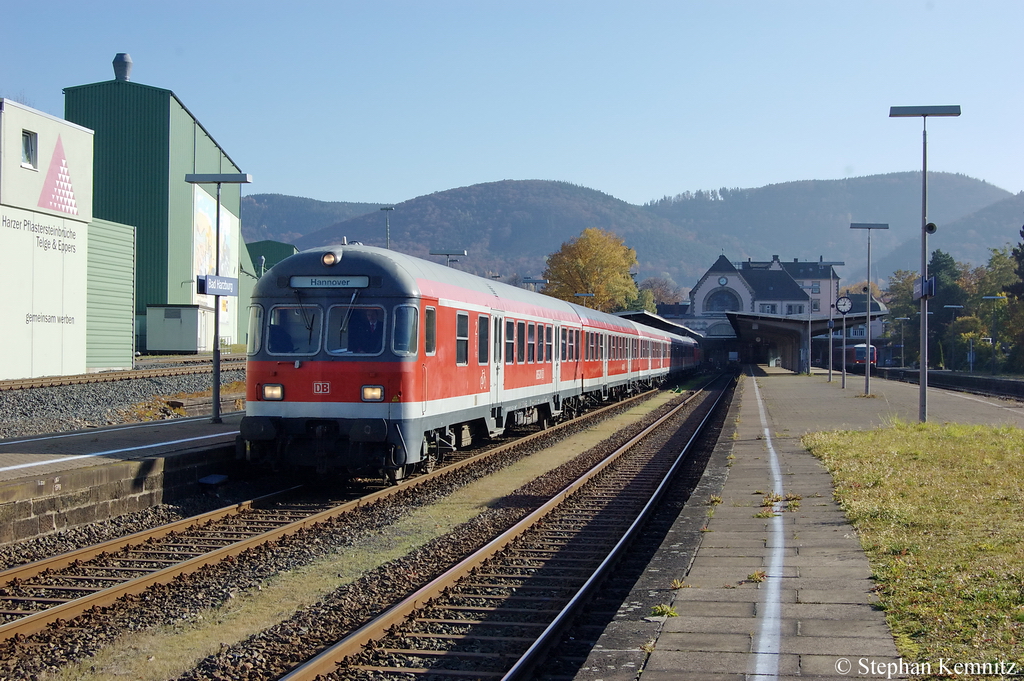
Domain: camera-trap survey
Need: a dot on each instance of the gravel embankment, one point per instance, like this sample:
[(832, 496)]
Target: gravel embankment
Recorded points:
[(73, 407)]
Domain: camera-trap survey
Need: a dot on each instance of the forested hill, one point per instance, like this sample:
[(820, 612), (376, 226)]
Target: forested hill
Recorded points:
[(509, 227), (286, 218)]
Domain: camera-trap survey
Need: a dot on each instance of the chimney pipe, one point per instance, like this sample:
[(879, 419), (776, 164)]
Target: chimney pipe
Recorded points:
[(122, 66)]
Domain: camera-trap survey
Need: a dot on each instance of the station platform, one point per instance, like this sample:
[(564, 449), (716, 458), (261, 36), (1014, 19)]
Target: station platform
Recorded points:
[(51, 482), (812, 617)]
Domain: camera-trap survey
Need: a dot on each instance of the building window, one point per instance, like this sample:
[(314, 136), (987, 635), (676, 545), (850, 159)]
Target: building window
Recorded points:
[(29, 149), (722, 300), (769, 308), (815, 305), (794, 309), (816, 287)]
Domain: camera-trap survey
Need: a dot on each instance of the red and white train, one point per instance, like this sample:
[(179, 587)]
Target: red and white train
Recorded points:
[(364, 360)]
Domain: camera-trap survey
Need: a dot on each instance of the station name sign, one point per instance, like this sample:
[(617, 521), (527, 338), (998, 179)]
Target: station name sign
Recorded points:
[(329, 282), (924, 288), (211, 285)]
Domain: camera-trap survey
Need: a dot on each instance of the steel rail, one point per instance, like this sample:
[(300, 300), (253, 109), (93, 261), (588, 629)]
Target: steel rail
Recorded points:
[(327, 661), (34, 569), (38, 621), (110, 376)]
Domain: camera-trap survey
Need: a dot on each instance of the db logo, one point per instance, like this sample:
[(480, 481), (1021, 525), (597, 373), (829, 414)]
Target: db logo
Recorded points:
[(321, 388)]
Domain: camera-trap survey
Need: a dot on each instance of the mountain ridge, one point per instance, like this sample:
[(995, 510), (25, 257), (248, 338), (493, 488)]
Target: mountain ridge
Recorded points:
[(509, 226)]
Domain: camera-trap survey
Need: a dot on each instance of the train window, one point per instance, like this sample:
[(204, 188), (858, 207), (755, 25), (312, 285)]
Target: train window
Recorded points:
[(548, 343), (521, 342), (531, 343), (406, 331), (510, 342), (462, 338), (255, 329), (483, 340), (576, 347), (563, 346), (294, 330), (430, 331), (357, 330)]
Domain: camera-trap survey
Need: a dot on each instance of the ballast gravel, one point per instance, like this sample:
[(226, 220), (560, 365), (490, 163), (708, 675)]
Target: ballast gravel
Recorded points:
[(57, 409)]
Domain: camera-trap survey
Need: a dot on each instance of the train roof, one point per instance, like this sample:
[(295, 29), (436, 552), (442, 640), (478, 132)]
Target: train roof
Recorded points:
[(409, 276)]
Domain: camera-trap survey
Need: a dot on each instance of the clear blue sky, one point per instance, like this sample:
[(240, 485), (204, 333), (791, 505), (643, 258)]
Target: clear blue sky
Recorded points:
[(384, 101)]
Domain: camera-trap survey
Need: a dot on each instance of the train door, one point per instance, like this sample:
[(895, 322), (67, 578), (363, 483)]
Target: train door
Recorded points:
[(602, 340), (495, 371), (556, 362)]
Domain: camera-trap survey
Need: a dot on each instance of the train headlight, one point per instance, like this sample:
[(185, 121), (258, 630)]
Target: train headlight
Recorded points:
[(273, 391), (329, 259), (373, 393)]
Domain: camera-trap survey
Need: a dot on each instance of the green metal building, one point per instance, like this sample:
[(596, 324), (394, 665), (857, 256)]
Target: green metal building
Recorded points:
[(146, 141)]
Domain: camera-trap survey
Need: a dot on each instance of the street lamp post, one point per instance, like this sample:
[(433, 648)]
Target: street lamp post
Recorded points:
[(994, 345), (951, 339), (448, 255), (867, 349), (924, 112), (584, 296), (218, 179), (387, 226)]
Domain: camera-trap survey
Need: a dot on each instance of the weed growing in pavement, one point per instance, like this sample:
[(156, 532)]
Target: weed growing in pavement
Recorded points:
[(679, 584), (714, 499), (757, 577), (648, 647), (938, 509), (767, 513), (663, 610), (771, 498)]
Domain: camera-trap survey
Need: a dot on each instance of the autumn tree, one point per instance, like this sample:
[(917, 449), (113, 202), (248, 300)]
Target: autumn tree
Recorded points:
[(595, 262)]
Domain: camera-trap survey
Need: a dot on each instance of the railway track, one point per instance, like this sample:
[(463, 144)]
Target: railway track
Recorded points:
[(192, 367), (43, 595), (496, 613)]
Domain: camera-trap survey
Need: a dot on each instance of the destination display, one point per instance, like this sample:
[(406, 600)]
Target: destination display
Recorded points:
[(358, 281)]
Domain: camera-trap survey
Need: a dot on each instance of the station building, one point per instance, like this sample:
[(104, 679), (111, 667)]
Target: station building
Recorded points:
[(774, 312), (146, 141)]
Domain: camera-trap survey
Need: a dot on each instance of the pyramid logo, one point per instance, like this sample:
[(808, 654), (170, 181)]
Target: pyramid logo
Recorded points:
[(58, 194)]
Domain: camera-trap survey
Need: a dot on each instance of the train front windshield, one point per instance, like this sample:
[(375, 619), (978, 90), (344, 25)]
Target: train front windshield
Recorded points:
[(350, 330)]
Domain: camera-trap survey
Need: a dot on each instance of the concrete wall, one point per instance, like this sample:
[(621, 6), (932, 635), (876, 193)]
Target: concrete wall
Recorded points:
[(43, 504)]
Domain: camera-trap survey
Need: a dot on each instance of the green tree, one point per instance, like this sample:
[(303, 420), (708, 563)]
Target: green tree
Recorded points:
[(899, 298), (596, 262)]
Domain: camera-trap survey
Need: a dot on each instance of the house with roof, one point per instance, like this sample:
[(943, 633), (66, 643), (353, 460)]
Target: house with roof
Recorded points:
[(777, 313)]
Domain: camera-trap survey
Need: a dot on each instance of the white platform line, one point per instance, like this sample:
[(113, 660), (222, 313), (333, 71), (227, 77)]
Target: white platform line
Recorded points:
[(767, 646), (111, 451)]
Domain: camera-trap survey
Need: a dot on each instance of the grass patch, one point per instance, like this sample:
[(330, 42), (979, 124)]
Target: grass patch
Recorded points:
[(940, 512)]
